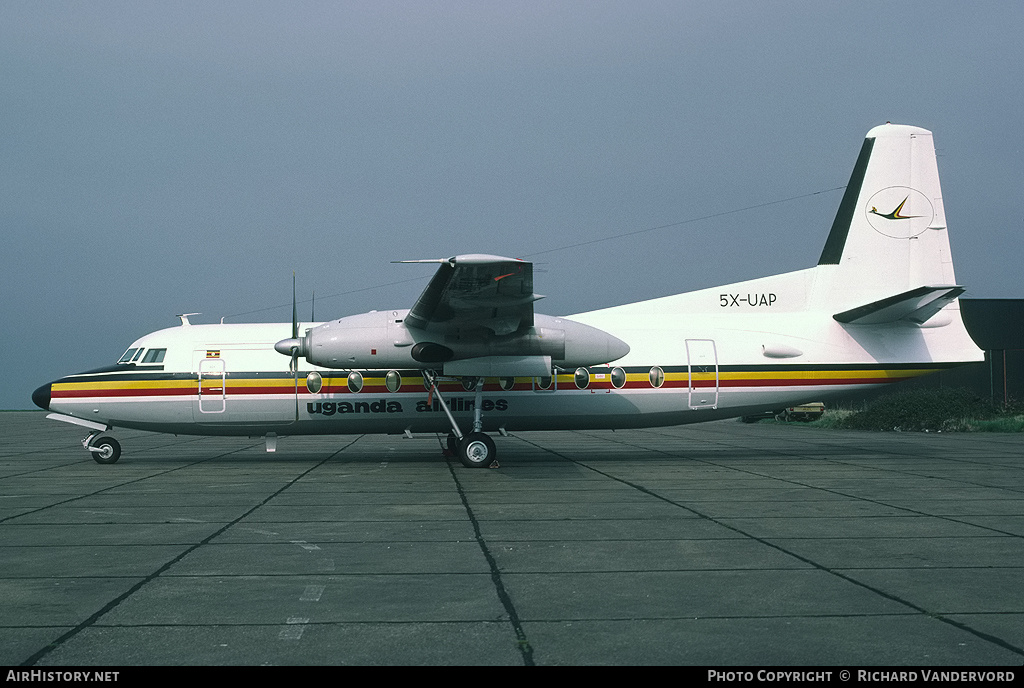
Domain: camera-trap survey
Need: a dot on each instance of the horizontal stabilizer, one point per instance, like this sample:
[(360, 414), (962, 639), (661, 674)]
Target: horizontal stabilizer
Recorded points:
[(916, 306)]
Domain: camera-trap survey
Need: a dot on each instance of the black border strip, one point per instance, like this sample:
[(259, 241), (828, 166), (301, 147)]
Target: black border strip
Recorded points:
[(833, 251)]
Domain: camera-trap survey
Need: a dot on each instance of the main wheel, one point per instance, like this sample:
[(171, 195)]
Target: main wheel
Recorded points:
[(477, 450), (453, 444), (109, 450)]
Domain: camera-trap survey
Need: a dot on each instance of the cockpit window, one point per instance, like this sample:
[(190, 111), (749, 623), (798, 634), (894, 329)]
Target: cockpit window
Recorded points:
[(155, 356), (128, 355), (138, 355)]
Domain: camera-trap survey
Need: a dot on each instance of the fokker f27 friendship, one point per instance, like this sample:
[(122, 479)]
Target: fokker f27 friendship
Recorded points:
[(472, 357)]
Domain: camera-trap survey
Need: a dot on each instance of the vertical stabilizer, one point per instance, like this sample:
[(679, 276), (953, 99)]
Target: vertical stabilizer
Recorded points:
[(889, 235)]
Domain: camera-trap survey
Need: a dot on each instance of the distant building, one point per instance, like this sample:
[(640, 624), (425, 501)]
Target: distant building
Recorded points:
[(997, 326)]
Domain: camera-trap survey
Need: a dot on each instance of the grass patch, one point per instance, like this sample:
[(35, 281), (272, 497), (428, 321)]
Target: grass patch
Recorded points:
[(832, 419), (928, 410), (1003, 424)]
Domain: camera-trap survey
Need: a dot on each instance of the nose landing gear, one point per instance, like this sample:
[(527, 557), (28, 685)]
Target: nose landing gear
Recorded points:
[(103, 449)]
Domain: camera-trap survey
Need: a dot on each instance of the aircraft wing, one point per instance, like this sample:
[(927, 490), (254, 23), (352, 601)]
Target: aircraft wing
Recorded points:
[(476, 291)]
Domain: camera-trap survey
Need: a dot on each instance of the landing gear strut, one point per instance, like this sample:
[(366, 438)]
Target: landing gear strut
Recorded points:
[(475, 450)]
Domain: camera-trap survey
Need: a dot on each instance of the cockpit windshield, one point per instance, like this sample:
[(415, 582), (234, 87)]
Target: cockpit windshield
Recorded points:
[(134, 355), (130, 355)]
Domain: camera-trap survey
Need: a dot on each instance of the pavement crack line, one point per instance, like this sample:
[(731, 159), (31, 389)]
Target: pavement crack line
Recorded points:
[(525, 649), (921, 610), (112, 604), (839, 492), (64, 502), (87, 459)]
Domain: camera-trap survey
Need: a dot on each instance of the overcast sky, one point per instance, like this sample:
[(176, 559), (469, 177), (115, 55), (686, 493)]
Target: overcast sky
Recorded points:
[(166, 157)]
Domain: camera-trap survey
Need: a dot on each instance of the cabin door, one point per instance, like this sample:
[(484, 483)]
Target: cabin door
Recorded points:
[(702, 366), (212, 387), (258, 397)]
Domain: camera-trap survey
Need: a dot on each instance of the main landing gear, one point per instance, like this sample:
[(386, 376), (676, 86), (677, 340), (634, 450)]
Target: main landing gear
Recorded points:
[(103, 449), (475, 450)]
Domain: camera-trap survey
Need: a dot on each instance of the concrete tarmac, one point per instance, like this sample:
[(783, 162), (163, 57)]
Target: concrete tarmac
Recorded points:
[(716, 544)]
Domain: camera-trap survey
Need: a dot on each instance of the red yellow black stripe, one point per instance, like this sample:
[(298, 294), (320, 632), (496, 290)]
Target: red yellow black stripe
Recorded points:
[(159, 384)]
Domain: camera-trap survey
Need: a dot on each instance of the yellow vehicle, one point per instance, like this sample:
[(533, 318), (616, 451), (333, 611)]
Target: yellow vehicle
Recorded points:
[(803, 413)]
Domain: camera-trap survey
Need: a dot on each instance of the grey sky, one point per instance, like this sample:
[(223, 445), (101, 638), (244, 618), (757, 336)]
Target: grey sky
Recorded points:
[(171, 157)]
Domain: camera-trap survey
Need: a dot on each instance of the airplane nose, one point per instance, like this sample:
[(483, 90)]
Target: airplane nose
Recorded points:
[(41, 397)]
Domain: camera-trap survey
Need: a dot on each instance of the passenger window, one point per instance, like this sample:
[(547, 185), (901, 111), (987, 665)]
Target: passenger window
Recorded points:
[(355, 382), (314, 382), (393, 381), (657, 376), (618, 378), (154, 356)]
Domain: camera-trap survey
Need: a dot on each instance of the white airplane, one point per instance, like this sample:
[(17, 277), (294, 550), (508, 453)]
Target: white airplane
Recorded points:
[(471, 356)]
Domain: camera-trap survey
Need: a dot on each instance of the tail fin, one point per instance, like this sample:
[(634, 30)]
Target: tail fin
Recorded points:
[(889, 236)]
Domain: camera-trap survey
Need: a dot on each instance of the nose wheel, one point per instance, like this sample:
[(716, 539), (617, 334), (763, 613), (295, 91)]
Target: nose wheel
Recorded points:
[(103, 449)]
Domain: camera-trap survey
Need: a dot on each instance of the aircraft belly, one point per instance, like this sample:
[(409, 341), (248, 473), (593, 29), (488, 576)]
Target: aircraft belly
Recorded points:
[(565, 410), (394, 413), (142, 413), (246, 409)]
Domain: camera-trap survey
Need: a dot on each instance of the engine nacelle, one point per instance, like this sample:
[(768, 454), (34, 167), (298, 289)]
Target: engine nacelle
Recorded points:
[(381, 339), (369, 340)]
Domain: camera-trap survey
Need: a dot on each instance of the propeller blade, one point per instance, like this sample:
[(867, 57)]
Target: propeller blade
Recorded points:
[(295, 331), (295, 311)]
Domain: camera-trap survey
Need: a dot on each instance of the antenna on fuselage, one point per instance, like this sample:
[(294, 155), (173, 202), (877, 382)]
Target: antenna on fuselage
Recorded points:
[(184, 318)]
